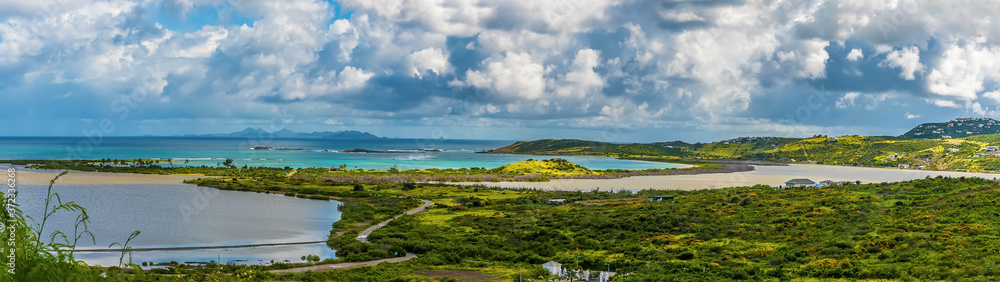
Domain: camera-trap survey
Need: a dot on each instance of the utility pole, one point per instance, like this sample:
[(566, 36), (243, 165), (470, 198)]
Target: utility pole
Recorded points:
[(519, 273)]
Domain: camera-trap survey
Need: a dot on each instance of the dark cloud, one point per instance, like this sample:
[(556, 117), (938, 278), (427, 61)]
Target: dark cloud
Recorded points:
[(654, 69)]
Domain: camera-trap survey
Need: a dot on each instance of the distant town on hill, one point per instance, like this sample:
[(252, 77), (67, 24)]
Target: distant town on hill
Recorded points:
[(956, 128)]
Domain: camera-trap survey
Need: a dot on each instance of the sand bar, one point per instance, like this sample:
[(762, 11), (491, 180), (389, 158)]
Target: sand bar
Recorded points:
[(25, 176), (769, 175)]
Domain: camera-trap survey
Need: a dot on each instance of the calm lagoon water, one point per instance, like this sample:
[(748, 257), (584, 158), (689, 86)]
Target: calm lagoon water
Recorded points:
[(182, 215)]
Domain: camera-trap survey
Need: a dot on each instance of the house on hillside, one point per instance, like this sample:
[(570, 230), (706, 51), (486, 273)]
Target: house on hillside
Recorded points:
[(953, 150), (831, 139), (799, 182), (553, 267), (903, 166), (990, 148), (945, 136), (825, 183), (557, 202)]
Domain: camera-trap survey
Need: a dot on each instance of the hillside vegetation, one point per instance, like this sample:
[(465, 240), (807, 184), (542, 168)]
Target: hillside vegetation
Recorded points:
[(964, 154), (575, 147), (927, 229), (550, 167)]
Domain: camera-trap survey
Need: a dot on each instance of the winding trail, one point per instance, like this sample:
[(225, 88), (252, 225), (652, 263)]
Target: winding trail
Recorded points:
[(362, 237), (941, 201)]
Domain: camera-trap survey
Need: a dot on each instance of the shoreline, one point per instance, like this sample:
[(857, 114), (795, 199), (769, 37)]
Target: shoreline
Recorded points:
[(29, 176), (165, 249), (767, 175), (689, 180), (682, 166)]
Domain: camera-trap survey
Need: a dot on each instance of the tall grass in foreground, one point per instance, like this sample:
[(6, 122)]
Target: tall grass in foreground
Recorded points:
[(40, 257)]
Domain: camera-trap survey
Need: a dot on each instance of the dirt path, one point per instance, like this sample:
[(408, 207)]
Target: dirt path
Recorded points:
[(363, 237), (941, 201)]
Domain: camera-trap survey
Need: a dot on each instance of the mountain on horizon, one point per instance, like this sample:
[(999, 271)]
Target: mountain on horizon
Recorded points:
[(285, 133), (956, 128)]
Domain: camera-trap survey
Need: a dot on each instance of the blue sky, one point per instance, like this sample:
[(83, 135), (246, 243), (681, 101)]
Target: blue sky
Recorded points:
[(610, 70)]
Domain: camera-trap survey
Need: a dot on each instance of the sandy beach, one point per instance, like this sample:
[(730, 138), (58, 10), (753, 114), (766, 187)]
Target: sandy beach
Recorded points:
[(769, 175), (42, 177)]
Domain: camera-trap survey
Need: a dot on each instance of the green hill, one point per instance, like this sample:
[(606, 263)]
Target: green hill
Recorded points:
[(956, 128), (550, 167), (964, 154), (573, 147)]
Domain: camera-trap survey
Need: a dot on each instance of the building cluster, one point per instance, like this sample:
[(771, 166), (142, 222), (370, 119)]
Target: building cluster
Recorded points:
[(967, 126), (805, 182), (990, 152), (557, 269), (749, 139)]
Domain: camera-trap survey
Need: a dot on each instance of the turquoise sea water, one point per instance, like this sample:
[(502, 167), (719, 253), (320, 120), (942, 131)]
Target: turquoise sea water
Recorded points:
[(407, 153)]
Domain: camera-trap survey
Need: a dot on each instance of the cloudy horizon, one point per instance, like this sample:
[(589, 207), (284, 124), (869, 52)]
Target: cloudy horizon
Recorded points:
[(617, 71)]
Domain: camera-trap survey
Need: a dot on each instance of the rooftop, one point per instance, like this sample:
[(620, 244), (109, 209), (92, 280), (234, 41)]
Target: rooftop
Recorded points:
[(800, 181)]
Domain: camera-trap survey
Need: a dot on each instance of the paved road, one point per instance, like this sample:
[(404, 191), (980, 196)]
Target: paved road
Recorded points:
[(363, 237)]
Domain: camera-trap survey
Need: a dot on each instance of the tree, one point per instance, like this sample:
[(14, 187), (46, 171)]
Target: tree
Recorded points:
[(229, 163), (358, 187), (409, 186)]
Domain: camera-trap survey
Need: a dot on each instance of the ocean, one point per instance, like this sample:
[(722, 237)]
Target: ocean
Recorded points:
[(195, 151)]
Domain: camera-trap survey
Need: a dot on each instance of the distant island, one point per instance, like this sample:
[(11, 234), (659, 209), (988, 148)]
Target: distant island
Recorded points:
[(285, 133)]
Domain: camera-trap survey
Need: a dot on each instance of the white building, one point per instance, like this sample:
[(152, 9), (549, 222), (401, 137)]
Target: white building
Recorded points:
[(553, 267)]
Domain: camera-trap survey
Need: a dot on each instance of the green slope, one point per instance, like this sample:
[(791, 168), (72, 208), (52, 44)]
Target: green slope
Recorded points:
[(877, 151), (584, 148)]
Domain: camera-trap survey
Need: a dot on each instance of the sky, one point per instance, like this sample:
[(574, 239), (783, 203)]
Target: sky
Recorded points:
[(607, 70)]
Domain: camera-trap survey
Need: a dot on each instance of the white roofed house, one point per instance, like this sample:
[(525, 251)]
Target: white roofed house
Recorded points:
[(553, 267)]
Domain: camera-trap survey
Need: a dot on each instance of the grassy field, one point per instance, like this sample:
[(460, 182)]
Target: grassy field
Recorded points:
[(927, 229)]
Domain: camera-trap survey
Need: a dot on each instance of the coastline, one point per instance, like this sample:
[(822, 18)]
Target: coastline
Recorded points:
[(768, 175), (27, 176), (682, 166)]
